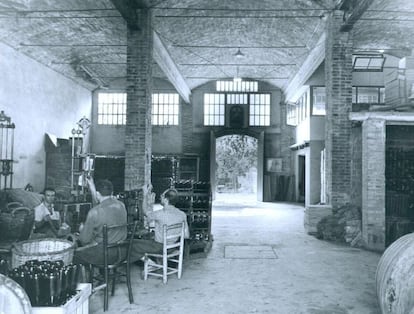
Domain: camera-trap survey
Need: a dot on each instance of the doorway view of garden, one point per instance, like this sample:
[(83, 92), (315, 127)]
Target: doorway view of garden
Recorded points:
[(236, 166)]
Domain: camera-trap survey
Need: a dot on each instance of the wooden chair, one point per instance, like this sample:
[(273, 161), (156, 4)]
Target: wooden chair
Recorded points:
[(171, 259), (111, 270)]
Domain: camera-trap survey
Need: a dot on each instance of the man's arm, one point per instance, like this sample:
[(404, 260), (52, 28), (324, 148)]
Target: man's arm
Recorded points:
[(86, 234), (42, 219), (92, 189)]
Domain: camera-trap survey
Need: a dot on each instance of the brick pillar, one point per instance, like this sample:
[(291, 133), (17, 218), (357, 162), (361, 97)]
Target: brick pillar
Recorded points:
[(138, 133), (373, 183), (187, 127), (338, 77)]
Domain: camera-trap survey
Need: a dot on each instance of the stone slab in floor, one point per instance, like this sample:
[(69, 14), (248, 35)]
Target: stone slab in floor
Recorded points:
[(249, 252)]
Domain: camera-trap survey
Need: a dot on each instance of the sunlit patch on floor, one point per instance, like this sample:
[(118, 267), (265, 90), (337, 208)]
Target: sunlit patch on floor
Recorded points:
[(250, 252)]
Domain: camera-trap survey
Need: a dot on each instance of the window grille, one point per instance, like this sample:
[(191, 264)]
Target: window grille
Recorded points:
[(319, 101), (214, 109), (368, 95), (368, 63), (165, 109), (259, 110), (112, 108), (257, 104), (237, 86)]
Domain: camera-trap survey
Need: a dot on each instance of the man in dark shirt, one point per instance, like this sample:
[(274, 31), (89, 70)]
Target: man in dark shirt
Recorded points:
[(109, 211)]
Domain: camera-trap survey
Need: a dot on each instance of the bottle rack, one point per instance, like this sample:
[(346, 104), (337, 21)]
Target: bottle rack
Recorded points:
[(194, 198)]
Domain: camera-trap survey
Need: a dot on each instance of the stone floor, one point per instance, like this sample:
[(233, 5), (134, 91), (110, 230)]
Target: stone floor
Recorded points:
[(261, 261)]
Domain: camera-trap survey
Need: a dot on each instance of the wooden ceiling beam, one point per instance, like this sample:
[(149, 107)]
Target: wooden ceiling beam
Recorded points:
[(167, 65), (160, 54), (312, 62)]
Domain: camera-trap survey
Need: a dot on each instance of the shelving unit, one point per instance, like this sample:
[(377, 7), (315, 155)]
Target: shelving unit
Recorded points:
[(163, 173), (194, 198), (188, 168)]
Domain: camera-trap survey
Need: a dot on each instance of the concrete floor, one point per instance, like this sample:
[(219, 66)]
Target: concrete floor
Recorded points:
[(262, 261)]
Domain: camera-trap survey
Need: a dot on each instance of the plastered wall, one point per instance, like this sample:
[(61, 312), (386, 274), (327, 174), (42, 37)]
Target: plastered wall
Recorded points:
[(38, 100)]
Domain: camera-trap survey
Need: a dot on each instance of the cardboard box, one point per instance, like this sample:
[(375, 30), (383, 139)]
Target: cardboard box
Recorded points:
[(78, 304)]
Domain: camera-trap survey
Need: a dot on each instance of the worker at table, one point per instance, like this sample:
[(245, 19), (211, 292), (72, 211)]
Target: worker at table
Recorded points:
[(46, 218)]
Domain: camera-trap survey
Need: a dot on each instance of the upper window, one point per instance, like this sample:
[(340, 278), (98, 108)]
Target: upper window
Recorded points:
[(237, 86), (258, 106), (291, 114), (318, 101), (368, 63), (368, 95), (165, 109), (214, 109), (259, 111), (300, 111), (112, 108)]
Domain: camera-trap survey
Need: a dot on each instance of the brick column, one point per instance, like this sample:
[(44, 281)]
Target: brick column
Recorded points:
[(187, 127), (338, 77), (138, 133), (373, 183)]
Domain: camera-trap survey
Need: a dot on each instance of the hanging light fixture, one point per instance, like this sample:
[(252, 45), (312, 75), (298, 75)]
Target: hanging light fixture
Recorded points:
[(239, 54)]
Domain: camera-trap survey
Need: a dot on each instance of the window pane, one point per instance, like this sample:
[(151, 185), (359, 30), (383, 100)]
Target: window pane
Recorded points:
[(259, 109), (166, 109), (111, 108)]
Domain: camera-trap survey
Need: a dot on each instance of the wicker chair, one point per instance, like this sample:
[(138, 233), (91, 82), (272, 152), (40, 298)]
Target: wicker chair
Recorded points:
[(171, 259)]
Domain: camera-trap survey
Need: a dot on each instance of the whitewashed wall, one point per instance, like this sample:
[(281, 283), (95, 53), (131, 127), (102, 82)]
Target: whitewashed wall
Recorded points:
[(39, 101)]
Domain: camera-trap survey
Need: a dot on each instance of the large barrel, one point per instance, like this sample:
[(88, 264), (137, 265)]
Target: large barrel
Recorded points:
[(395, 277)]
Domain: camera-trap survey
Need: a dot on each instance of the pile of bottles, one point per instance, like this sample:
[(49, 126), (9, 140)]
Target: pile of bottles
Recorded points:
[(201, 186), (47, 283), (200, 236), (200, 220), (183, 184), (183, 202), (201, 202)]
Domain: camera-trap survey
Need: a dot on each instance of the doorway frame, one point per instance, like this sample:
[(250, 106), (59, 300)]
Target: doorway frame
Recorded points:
[(259, 136)]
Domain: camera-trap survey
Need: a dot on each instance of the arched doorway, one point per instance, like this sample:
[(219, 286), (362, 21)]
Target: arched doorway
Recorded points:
[(236, 163)]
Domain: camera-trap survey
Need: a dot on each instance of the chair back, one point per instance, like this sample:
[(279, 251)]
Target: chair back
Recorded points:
[(173, 236), (118, 252), (172, 254)]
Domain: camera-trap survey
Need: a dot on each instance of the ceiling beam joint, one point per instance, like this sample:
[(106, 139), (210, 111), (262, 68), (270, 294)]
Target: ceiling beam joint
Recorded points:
[(353, 10)]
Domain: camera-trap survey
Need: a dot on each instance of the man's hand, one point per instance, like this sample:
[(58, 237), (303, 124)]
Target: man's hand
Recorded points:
[(47, 218)]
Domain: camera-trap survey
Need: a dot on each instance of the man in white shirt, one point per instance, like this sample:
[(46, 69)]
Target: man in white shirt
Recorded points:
[(168, 215), (47, 220)]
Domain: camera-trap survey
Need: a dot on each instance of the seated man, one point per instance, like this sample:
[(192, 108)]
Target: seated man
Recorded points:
[(46, 219), (109, 211), (168, 215)]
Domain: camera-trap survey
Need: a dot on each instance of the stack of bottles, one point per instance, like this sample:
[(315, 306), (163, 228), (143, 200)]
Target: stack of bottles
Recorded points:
[(47, 283), (183, 184), (201, 186)]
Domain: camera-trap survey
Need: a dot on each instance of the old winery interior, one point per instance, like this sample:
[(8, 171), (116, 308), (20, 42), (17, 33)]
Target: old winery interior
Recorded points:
[(285, 127)]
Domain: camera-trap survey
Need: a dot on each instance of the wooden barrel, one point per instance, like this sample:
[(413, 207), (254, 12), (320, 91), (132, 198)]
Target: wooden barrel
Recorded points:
[(395, 277)]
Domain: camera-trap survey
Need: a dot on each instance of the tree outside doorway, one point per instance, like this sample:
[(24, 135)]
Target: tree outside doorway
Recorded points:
[(236, 164)]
